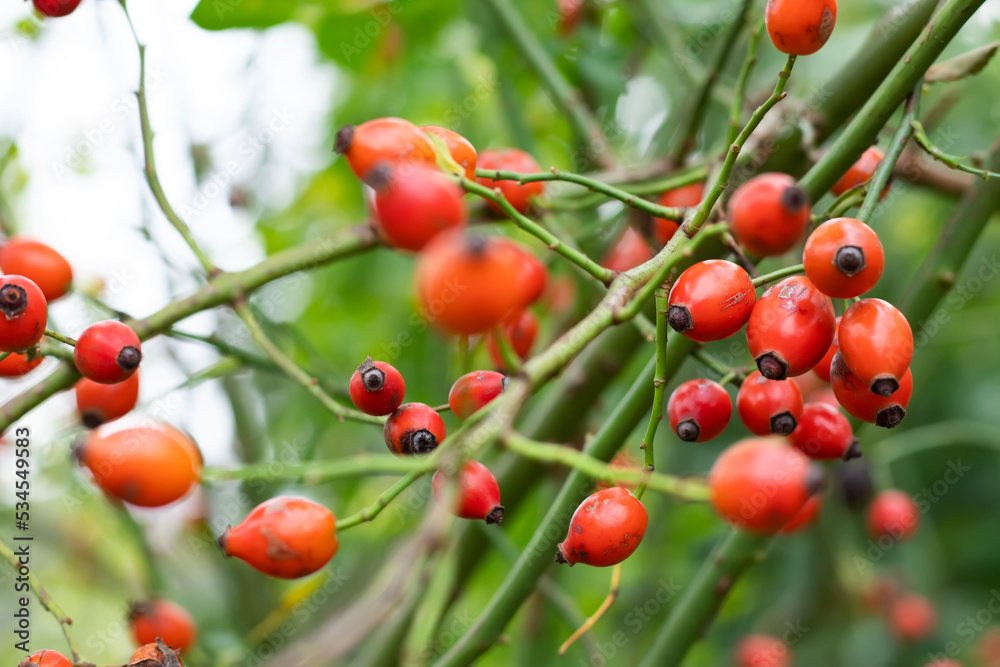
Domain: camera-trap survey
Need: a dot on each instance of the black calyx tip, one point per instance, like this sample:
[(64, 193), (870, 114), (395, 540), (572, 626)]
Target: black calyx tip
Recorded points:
[(849, 260), (783, 424), (853, 450), (815, 479), (561, 557), (379, 177), (92, 418), (13, 300), (772, 366), (169, 655), (885, 387), (679, 319), (688, 430), (372, 377), (222, 541), (794, 199), (890, 417), (419, 442), (476, 245), (495, 515), (504, 383), (345, 137), (129, 358)]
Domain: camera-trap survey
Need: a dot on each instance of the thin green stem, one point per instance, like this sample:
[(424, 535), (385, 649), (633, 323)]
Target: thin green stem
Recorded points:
[(845, 202), (775, 276), (880, 179), (4, 355), (953, 161), (659, 381), (373, 510), (736, 110), (319, 472), (704, 358), (510, 359), (55, 335)]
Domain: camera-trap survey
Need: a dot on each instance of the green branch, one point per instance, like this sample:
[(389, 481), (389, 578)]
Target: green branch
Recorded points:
[(880, 179), (775, 276), (953, 161), (659, 381), (736, 110), (372, 511), (55, 335)]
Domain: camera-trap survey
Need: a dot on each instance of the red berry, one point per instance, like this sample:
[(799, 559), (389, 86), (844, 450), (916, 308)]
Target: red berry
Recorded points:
[(791, 328), (38, 262), (478, 493), (48, 658), (860, 172), (768, 214), (149, 466), (824, 433), (988, 648), (769, 407), (893, 514), (154, 654), (16, 364), (946, 662), (511, 159), (762, 651), (415, 203), (843, 258), (876, 343), (414, 428), (56, 8), (460, 149), (805, 516), (377, 388), (685, 196), (605, 529), (23, 314), (285, 537), (760, 485), (532, 275), (384, 140), (800, 27), (474, 390), (521, 330), (107, 352), (161, 619), (853, 395), (699, 410), (822, 367), (99, 403), (711, 300), (628, 252), (912, 618), (570, 15)]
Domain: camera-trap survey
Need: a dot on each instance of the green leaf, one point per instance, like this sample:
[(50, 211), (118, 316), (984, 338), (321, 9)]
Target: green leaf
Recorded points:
[(962, 65), (223, 14)]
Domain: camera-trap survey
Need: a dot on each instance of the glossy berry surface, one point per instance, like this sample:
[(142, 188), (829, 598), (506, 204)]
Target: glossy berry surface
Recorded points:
[(822, 367), (912, 618), (768, 214), (854, 396), (107, 352), (711, 300), (414, 204), (800, 27), (519, 195), (628, 252), (531, 274), (377, 388), (760, 484), (876, 343), (843, 257), (149, 466), (460, 149), (791, 328), (393, 141), (285, 537), (474, 390), (37, 262), (804, 517), (48, 658), (893, 514), (56, 8), (685, 196), (824, 433), (414, 428), (860, 172), (162, 619), (605, 529), (23, 314), (477, 490), (99, 403), (699, 410), (769, 407), (150, 655), (17, 364), (521, 329), (762, 651)]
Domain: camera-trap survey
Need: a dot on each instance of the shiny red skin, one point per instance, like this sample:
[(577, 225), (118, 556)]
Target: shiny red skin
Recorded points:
[(759, 485), (800, 27), (686, 196), (605, 529), (794, 322), (381, 401), (413, 420), (461, 149), (704, 402), (821, 251), (48, 658), (805, 516), (511, 159), (98, 348), (101, 403), (853, 395), (478, 493), (22, 327), (56, 8), (762, 651), (876, 341), (628, 252), (165, 620), (894, 514), (860, 172), (822, 367), (17, 365), (474, 390), (912, 618), (392, 141), (37, 262), (285, 537), (759, 400), (531, 274), (521, 330), (416, 204), (823, 433), (719, 297), (760, 219)]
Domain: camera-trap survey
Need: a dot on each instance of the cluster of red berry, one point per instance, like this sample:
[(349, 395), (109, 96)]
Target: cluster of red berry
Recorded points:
[(156, 653)]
